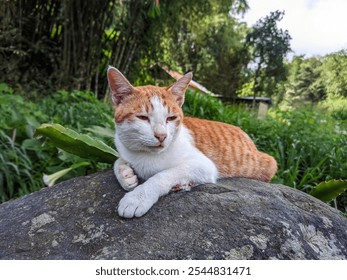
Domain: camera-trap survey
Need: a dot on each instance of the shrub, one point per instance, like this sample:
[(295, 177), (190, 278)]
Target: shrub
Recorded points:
[(24, 159), (77, 109), (15, 169), (336, 107)]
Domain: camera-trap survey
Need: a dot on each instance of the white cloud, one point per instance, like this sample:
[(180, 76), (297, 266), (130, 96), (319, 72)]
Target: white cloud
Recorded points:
[(317, 27)]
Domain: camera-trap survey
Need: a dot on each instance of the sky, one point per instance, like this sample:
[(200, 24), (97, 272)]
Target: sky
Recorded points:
[(317, 27)]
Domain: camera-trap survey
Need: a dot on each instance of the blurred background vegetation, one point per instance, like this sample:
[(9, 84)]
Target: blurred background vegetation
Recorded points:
[(54, 56)]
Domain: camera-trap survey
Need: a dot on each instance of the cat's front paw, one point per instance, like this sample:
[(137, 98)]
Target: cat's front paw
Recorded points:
[(125, 175), (135, 203)]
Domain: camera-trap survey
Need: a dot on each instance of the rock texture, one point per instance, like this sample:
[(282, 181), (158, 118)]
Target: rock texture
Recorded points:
[(234, 219)]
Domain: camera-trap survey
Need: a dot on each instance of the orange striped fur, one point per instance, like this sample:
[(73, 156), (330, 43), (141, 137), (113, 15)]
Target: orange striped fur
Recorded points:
[(231, 149)]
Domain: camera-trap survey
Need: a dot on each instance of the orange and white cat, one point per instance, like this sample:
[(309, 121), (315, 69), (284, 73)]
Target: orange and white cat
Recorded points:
[(162, 149)]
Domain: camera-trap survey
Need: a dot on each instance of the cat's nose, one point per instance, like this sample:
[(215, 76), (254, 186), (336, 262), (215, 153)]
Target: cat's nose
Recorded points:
[(160, 136)]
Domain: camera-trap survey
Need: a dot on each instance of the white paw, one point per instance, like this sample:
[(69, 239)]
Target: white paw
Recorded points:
[(135, 203), (126, 176)]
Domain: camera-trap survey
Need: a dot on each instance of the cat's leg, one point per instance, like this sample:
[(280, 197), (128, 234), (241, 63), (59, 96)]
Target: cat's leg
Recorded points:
[(141, 199), (125, 175)]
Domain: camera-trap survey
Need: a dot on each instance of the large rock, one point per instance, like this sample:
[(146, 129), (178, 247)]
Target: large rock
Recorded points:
[(234, 219)]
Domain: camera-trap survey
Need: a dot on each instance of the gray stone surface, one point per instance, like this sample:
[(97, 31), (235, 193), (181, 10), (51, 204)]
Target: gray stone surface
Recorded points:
[(234, 219)]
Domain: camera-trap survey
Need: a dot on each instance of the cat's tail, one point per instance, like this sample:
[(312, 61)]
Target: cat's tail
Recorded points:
[(267, 167)]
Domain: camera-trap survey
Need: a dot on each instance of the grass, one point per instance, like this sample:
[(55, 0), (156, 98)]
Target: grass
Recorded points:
[(15, 166)]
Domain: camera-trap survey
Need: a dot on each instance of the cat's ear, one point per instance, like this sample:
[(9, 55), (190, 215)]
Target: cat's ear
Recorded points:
[(179, 88), (119, 85)]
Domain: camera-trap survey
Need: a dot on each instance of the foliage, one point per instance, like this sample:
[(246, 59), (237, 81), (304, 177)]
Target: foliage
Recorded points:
[(305, 82), (209, 107), (68, 44), (76, 109), (335, 74), (51, 45), (78, 144), (307, 147), (327, 191), (203, 37), (337, 108), (316, 79), (269, 45), (25, 159), (16, 169)]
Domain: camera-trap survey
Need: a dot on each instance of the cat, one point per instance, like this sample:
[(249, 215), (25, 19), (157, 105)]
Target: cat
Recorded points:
[(161, 150)]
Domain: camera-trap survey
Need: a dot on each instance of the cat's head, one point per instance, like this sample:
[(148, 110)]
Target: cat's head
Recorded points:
[(148, 118)]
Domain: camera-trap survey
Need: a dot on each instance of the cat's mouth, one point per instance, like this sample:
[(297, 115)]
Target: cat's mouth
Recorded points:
[(160, 146)]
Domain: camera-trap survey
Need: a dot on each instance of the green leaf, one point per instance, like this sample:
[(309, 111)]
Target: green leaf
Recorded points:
[(327, 191), (49, 180), (78, 144), (101, 131)]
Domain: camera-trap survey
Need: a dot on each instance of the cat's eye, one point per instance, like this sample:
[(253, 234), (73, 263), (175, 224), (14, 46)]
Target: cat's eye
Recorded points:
[(144, 118), (172, 118)]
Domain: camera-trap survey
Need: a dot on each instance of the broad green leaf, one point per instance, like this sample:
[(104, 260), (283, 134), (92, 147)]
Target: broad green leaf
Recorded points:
[(327, 191), (78, 144), (101, 131)]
